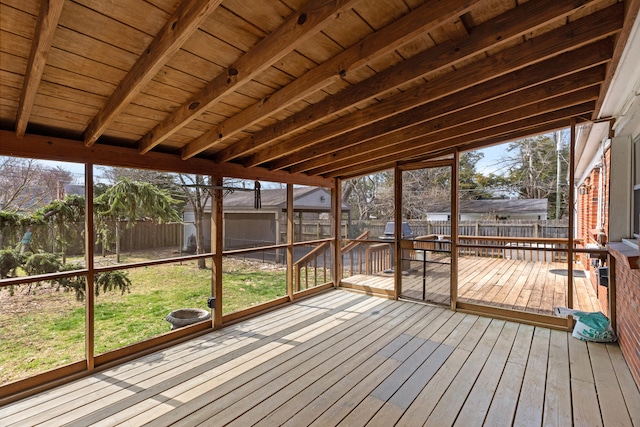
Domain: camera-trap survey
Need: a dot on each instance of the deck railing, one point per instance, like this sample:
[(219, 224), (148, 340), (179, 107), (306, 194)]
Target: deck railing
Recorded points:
[(312, 269), (363, 256), (378, 257), (353, 255), (314, 266), (516, 248), (371, 257)]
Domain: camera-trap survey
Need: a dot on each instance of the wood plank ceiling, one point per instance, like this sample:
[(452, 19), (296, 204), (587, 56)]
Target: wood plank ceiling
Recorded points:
[(328, 88)]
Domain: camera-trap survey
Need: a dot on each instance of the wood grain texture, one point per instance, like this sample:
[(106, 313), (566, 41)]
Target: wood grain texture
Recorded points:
[(294, 31), (510, 60), (178, 29), (342, 358), (50, 11), (445, 55)]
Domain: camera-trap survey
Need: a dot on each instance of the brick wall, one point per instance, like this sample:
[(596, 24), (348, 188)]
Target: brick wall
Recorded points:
[(628, 313), (587, 221)]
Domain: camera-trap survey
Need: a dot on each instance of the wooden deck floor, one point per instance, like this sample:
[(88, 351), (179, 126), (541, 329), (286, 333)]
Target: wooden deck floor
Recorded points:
[(534, 287), (343, 358)]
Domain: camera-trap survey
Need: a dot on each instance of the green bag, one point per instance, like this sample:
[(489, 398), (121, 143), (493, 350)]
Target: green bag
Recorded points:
[(592, 327)]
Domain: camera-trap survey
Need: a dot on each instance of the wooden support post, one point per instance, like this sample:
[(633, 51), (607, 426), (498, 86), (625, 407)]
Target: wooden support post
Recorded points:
[(217, 248), (397, 249), (336, 227), (290, 230), (572, 165), (89, 326), (454, 229)]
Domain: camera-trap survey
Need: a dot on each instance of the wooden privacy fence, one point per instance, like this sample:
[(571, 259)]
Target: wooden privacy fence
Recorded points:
[(509, 228), (143, 235), (148, 235), (371, 257), (312, 230)]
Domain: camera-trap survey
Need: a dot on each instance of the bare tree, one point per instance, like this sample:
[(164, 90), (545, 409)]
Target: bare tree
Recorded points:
[(26, 185), (17, 177), (533, 165), (197, 189), (53, 182), (370, 196)]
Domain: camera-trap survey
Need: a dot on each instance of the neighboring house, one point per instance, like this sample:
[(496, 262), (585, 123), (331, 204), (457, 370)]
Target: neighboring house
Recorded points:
[(496, 209), (607, 183), (245, 226)]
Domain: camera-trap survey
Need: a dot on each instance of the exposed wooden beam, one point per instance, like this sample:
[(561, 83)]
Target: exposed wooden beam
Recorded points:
[(531, 76), (365, 169), (440, 118), (474, 121), (297, 28), (182, 24), (409, 143), (522, 133), (67, 150), (48, 18), (430, 15), (507, 132), (511, 25), (568, 37)]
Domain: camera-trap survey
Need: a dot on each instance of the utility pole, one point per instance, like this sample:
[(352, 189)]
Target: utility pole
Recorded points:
[(558, 137)]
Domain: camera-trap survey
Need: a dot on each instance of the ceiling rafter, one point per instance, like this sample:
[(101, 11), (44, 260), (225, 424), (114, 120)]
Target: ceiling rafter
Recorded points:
[(512, 24), (370, 84), (182, 24), (523, 83), (296, 29), (360, 54), (48, 17), (535, 96), (399, 145), (504, 133), (571, 36)]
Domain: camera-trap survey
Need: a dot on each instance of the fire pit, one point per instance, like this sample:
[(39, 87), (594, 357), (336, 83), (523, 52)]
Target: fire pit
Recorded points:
[(186, 316)]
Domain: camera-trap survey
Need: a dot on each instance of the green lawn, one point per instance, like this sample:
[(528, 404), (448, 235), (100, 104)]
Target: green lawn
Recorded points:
[(45, 329)]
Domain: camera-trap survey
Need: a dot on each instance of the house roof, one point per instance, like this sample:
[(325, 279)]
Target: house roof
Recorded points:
[(304, 198), (495, 206), (315, 88)]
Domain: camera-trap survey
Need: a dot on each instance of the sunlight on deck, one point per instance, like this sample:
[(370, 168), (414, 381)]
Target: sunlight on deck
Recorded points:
[(351, 359), (534, 287)]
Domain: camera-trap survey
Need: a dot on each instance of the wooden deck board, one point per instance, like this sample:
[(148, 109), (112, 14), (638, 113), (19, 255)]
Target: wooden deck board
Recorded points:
[(583, 390), (343, 358), (612, 405), (102, 385), (477, 404), (530, 405), (629, 389), (449, 405), (557, 402), (189, 371), (534, 287), (505, 399)]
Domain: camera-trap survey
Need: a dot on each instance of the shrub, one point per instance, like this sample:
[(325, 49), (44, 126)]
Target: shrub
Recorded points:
[(111, 280), (42, 263), (10, 260), (104, 282)]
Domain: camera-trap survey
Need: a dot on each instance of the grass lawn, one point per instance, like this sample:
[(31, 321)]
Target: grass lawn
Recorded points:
[(44, 329)]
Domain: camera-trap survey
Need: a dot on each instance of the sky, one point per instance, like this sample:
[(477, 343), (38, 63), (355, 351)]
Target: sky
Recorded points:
[(490, 162)]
